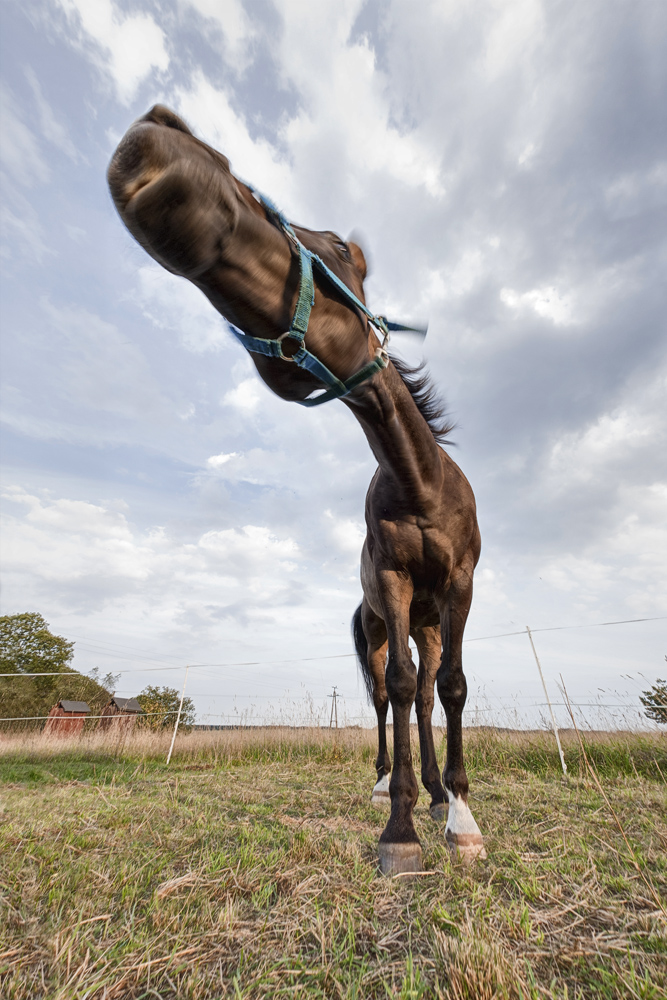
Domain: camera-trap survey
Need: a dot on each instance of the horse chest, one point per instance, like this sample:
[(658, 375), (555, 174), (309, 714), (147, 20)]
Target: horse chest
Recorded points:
[(424, 551)]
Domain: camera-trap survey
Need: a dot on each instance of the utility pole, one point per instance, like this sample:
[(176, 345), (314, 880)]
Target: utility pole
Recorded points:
[(334, 708)]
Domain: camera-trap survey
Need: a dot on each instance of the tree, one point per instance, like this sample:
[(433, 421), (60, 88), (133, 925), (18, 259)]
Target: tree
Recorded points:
[(655, 702), (27, 646), (161, 706)]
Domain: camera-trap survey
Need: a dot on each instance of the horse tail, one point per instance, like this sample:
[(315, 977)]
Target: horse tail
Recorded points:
[(361, 646)]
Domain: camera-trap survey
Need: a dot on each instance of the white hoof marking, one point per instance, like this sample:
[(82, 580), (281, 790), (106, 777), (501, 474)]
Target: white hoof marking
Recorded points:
[(380, 795), (462, 833)]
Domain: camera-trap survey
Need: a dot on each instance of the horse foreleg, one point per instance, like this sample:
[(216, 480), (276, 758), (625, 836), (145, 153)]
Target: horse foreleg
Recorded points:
[(400, 850), (430, 650), (462, 833)]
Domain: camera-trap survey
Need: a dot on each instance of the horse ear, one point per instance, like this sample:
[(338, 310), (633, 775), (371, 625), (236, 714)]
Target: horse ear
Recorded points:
[(358, 259)]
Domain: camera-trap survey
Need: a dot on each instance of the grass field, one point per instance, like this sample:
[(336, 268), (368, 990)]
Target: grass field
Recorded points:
[(248, 869)]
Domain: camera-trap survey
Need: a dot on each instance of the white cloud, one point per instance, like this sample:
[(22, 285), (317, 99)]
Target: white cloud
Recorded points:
[(586, 575), (209, 112), (19, 150), (52, 129), (512, 36), (345, 533), (344, 104), (234, 25), (492, 591), (611, 445), (638, 191), (100, 368), (245, 396), (527, 155), (22, 232), (457, 279), (173, 303), (66, 540), (260, 466), (217, 461), (250, 552), (548, 302), (633, 551), (90, 555), (129, 47), (23, 166)]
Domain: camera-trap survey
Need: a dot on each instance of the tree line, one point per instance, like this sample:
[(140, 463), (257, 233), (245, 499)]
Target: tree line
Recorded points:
[(27, 646)]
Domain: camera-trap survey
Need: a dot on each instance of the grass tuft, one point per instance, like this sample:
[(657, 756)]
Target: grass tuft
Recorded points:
[(247, 869)]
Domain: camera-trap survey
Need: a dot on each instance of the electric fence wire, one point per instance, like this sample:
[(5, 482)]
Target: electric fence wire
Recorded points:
[(334, 656)]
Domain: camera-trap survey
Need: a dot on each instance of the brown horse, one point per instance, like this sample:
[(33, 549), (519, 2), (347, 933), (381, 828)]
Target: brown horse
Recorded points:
[(179, 199)]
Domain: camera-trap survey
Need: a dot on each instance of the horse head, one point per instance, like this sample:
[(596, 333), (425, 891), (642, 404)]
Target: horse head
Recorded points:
[(179, 199)]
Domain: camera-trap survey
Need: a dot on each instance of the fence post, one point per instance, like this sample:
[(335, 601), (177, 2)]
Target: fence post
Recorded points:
[(546, 694), (178, 715)]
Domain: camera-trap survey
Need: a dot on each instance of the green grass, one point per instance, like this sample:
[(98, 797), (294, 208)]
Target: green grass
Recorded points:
[(247, 869)]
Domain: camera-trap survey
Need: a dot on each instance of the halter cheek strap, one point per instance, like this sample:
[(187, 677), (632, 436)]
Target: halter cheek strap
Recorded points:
[(299, 325)]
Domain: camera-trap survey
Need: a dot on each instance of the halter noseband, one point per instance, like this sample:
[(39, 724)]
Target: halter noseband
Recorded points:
[(299, 325)]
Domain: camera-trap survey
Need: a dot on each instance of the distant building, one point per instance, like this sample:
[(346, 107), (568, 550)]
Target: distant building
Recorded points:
[(120, 713), (66, 718)]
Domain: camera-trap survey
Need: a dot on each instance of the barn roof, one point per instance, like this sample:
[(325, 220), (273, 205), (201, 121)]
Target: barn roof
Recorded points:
[(74, 706), (126, 704)]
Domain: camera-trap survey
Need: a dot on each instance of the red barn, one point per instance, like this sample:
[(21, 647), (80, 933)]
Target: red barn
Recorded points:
[(66, 718), (120, 713)]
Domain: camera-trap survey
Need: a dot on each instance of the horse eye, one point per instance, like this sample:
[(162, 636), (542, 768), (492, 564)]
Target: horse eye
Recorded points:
[(343, 249)]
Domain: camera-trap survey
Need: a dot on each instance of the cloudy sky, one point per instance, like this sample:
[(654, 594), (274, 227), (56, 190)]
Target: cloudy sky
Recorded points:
[(506, 164)]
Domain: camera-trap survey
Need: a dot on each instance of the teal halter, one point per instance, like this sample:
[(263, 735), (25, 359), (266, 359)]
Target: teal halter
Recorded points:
[(299, 325)]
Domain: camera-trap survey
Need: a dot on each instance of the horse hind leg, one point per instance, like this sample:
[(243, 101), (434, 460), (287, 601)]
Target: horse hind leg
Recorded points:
[(377, 657), (369, 630), (461, 833), (430, 651)]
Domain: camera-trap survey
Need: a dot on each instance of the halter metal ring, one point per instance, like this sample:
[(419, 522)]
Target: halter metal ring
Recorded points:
[(289, 335)]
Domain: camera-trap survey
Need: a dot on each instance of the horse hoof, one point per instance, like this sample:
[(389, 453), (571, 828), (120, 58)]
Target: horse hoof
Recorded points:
[(380, 795), (380, 800), (437, 811), (462, 834), (465, 847), (398, 858)]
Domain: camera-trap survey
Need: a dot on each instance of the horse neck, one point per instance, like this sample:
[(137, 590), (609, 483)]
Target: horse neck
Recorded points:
[(397, 433)]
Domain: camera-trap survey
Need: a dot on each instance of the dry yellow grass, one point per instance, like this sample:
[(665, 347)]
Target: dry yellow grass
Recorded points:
[(247, 869)]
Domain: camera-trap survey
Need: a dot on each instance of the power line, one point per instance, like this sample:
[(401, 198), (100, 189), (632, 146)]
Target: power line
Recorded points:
[(560, 628), (110, 645), (334, 656), (98, 650), (40, 718), (366, 718)]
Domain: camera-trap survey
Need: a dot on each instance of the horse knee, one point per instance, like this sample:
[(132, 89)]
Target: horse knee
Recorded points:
[(380, 702), (401, 682), (452, 689), (424, 704)]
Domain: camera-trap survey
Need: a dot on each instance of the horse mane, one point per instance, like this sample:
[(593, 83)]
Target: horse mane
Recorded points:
[(428, 401)]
